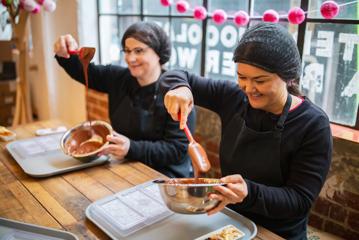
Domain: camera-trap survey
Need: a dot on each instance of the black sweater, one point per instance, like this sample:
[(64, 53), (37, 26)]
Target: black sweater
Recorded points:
[(305, 153), (162, 146)]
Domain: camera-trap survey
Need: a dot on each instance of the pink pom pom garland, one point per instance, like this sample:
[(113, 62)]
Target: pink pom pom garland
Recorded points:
[(241, 18), (270, 16), (32, 6), (329, 9), (199, 13), (166, 3), (182, 6), (296, 15), (219, 16)]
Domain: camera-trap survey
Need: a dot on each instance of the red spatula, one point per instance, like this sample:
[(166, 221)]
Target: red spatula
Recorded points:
[(196, 152)]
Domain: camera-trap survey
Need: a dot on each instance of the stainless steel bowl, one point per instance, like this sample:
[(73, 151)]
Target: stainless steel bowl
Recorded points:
[(85, 132), (188, 195)]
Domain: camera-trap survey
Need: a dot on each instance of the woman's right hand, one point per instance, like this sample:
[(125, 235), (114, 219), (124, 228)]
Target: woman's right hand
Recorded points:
[(64, 44), (179, 100), (119, 147)]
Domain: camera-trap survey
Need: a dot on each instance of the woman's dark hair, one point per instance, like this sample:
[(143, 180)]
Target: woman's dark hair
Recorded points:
[(269, 46), (152, 35)]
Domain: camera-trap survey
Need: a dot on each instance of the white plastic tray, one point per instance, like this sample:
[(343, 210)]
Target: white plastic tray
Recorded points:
[(43, 157), (14, 230), (158, 225), (128, 211)]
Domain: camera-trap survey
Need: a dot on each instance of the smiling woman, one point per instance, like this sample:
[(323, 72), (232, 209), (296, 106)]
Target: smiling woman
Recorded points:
[(276, 145), (145, 131), (264, 90), (142, 61)]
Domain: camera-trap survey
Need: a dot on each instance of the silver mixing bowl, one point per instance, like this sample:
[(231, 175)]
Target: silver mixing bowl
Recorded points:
[(81, 133), (188, 195)]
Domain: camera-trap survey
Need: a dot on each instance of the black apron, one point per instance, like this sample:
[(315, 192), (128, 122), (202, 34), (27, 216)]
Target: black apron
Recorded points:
[(255, 155), (148, 123), (138, 122)]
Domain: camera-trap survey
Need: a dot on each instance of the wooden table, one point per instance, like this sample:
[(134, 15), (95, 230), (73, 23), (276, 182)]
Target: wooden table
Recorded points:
[(60, 201)]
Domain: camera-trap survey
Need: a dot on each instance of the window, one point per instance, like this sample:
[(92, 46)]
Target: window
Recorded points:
[(329, 48), (330, 62), (5, 27)]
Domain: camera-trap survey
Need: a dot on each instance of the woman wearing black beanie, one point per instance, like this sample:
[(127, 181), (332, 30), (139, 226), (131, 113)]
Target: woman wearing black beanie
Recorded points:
[(276, 145)]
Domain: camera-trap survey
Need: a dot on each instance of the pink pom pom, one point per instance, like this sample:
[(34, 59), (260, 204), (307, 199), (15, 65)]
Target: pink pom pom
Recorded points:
[(296, 15), (329, 9), (241, 18), (30, 6), (49, 5), (270, 16), (182, 6), (219, 16), (199, 13), (166, 3), (40, 2), (36, 9)]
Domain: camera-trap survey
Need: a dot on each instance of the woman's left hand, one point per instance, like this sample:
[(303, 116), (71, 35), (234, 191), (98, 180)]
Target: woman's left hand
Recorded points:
[(235, 191), (119, 146)]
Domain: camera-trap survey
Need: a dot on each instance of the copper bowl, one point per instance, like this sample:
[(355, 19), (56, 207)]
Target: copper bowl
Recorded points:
[(189, 195), (86, 140)]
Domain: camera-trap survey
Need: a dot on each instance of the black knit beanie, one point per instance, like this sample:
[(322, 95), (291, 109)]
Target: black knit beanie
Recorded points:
[(152, 35), (270, 47)]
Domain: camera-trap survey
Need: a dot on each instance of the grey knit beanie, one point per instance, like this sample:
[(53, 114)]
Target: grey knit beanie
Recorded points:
[(269, 46)]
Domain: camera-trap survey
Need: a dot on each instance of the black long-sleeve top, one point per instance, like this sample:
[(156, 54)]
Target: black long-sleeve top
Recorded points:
[(162, 146), (305, 153)]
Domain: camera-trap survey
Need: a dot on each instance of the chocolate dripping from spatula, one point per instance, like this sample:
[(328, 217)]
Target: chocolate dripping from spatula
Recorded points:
[(85, 54)]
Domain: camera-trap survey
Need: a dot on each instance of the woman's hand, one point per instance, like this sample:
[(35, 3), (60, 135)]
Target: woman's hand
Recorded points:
[(179, 100), (234, 192), (64, 44), (119, 146)]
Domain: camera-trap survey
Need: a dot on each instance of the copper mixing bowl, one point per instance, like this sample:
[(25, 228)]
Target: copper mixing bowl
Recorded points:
[(189, 195), (86, 140)]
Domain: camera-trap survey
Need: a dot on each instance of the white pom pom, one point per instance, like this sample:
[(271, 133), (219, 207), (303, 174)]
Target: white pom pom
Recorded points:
[(49, 5)]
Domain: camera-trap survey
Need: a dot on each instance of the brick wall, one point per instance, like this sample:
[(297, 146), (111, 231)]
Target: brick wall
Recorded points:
[(208, 131), (335, 211), (97, 106), (337, 208)]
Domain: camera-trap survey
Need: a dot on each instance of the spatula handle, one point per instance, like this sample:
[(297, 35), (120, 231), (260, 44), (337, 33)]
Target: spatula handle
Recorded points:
[(186, 130), (73, 52)]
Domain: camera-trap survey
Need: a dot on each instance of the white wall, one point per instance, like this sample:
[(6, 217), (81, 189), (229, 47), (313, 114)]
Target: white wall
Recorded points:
[(54, 93)]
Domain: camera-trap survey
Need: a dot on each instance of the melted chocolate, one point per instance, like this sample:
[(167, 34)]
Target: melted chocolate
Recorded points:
[(81, 140), (85, 55), (199, 159), (86, 148), (192, 181)]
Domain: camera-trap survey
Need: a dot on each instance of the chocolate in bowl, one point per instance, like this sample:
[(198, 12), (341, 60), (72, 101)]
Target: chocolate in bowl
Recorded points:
[(193, 181), (189, 195), (86, 140)]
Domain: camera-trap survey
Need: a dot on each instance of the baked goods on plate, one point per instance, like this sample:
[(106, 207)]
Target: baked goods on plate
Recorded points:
[(6, 134), (228, 232)]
